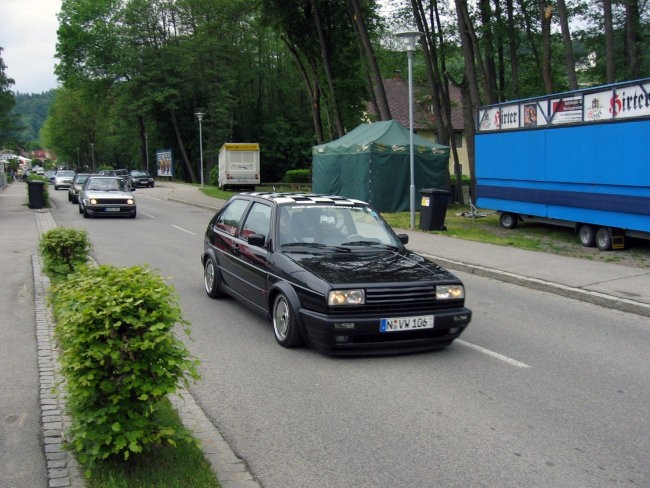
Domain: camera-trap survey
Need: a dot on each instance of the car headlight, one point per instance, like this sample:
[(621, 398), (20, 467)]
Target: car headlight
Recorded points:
[(130, 201), (93, 201), (450, 292), (346, 297)]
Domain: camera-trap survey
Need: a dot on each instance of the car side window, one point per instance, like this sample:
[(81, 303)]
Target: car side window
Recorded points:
[(231, 216), (258, 221)]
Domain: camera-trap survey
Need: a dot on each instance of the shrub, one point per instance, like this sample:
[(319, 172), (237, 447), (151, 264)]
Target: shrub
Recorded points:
[(119, 358), (63, 250), (297, 176)]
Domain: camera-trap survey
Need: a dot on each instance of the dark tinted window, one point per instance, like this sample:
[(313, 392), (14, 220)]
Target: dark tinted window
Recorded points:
[(258, 221), (231, 216)]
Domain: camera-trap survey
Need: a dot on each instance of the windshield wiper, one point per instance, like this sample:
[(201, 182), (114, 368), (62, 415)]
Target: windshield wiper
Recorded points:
[(315, 245)]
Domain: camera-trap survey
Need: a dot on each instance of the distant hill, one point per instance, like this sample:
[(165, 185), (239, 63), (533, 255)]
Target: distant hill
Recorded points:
[(32, 110)]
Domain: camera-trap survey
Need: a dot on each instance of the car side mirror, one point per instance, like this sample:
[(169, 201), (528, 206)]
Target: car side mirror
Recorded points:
[(256, 240), (404, 238)]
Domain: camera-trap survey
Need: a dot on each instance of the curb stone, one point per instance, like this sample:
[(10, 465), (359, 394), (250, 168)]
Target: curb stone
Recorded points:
[(63, 471)]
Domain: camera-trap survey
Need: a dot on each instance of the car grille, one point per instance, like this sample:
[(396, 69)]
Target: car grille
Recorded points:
[(111, 201), (392, 300)]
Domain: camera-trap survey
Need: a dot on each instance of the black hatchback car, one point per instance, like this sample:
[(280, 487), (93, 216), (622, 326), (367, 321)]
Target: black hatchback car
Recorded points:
[(328, 271)]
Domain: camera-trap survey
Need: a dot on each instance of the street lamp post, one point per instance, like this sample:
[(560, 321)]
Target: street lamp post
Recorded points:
[(199, 116), (410, 38), (146, 149)]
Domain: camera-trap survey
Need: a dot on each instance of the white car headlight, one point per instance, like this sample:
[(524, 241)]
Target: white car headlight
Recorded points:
[(346, 297), (450, 292)]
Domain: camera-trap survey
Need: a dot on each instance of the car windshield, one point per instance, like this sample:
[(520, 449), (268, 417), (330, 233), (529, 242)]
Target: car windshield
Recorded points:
[(65, 173), (333, 225), (105, 184)]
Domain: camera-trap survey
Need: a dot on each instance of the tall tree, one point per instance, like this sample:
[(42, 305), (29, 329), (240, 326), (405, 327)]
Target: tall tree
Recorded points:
[(546, 15), (7, 102), (569, 58), (610, 76)]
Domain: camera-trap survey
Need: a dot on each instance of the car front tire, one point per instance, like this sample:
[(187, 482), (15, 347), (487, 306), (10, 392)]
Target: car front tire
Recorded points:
[(211, 279), (285, 327)]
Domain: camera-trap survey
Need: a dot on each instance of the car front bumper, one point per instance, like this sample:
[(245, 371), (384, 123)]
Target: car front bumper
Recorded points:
[(360, 335)]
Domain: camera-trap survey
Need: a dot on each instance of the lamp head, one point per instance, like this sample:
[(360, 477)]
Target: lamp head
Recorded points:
[(410, 38)]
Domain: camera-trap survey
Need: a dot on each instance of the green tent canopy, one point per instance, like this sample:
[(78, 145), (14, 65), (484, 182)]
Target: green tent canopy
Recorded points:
[(372, 163)]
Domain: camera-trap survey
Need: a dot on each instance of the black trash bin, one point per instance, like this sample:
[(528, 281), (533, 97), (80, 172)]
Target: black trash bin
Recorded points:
[(434, 209), (36, 193)]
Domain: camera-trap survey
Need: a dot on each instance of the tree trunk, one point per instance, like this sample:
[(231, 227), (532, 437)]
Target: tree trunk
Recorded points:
[(375, 75), (181, 148), (610, 70), (512, 47), (469, 86), (327, 65), (546, 13), (569, 59), (312, 89), (633, 46)]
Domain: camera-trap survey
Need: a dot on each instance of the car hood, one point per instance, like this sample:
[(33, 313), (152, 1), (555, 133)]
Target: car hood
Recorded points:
[(385, 266)]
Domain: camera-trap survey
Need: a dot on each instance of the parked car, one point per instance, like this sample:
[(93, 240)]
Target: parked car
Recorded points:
[(122, 173), (141, 178), (75, 187), (328, 271), (106, 196), (50, 175), (63, 179)]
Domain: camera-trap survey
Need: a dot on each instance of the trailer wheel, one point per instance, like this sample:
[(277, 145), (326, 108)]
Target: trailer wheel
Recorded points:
[(587, 235), (508, 220), (604, 239)]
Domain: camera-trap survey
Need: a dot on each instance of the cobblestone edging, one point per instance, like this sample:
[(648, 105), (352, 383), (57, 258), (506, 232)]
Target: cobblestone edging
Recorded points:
[(62, 468)]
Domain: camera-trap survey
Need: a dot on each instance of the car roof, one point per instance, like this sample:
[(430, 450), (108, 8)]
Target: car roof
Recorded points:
[(291, 198)]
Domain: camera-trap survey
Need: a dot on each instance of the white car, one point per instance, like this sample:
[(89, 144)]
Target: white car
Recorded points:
[(106, 196), (63, 179)]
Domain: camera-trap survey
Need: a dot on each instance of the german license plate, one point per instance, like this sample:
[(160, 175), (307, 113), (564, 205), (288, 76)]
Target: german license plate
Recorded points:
[(112, 209), (406, 323)]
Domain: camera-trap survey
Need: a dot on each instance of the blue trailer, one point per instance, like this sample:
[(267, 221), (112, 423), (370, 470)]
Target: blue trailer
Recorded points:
[(579, 159)]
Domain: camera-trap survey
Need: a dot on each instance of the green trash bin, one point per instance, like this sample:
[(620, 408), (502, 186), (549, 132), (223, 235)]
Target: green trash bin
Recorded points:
[(36, 193), (434, 209)]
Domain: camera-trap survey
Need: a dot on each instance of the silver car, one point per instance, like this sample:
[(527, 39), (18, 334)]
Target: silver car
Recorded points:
[(106, 196), (63, 179)]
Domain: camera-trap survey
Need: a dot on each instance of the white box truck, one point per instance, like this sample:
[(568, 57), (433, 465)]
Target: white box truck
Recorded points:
[(239, 165)]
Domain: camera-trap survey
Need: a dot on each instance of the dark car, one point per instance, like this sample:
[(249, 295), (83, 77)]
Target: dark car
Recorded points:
[(75, 187), (330, 272), (106, 196), (122, 173), (141, 178)]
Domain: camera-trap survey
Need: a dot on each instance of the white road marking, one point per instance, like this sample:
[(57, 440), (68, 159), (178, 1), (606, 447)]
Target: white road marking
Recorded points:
[(148, 215), (496, 355), (183, 230)]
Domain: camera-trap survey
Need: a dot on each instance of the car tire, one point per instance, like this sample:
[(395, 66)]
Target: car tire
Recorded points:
[(80, 209), (86, 214), (508, 220), (211, 280), (285, 326), (604, 239), (587, 235)]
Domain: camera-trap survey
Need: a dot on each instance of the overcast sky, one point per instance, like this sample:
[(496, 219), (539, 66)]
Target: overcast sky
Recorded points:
[(28, 38)]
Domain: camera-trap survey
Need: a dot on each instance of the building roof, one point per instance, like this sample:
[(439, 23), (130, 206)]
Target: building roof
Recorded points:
[(397, 95)]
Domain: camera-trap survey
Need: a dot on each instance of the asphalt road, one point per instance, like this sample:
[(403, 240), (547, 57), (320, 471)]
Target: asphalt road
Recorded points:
[(541, 391)]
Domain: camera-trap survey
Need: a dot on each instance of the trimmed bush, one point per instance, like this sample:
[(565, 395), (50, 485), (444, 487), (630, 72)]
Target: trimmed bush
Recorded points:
[(119, 358), (63, 250), (297, 176)]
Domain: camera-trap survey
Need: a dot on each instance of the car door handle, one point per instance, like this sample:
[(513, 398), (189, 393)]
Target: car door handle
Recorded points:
[(235, 248)]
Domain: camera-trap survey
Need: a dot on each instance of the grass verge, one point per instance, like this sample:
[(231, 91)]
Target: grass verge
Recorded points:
[(183, 466)]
